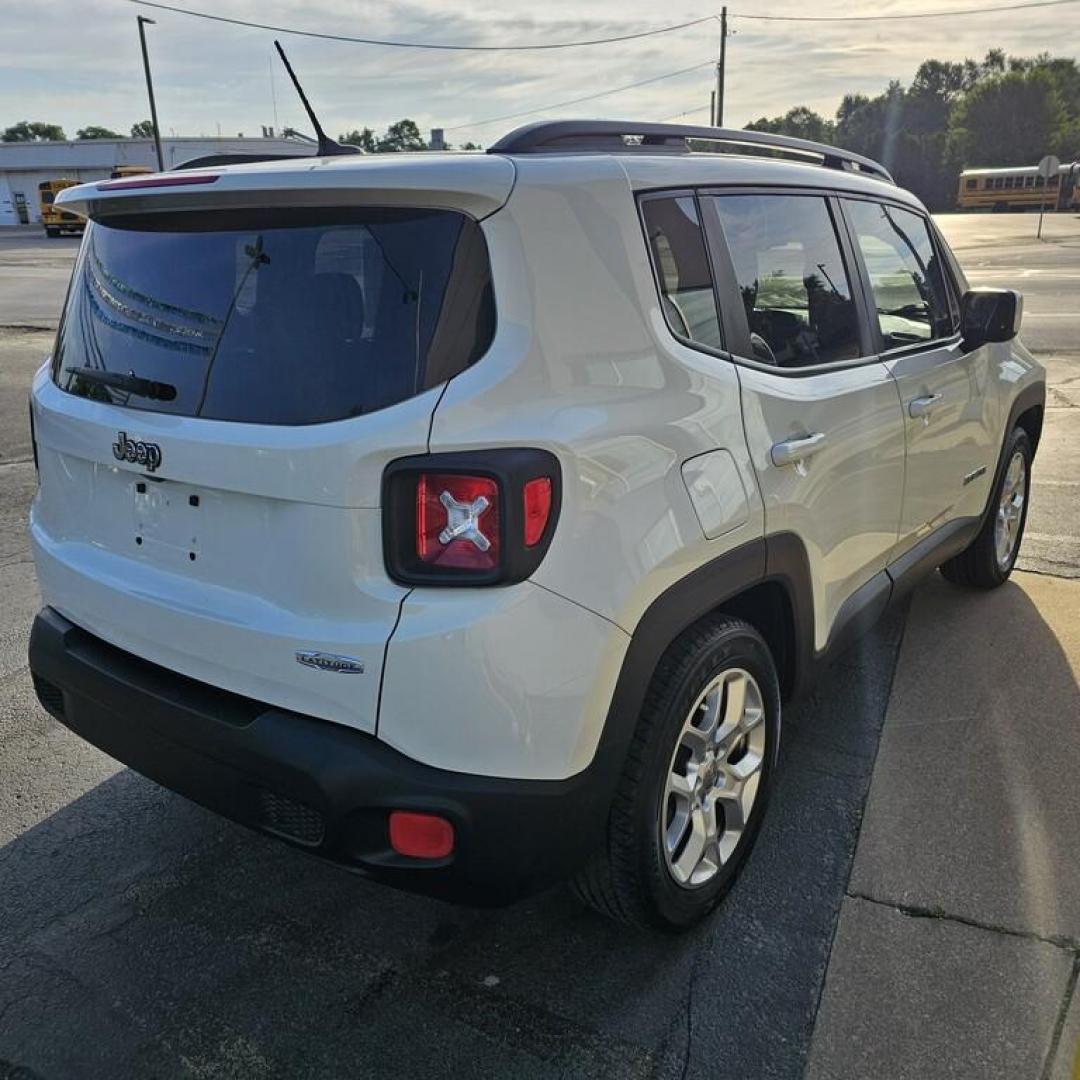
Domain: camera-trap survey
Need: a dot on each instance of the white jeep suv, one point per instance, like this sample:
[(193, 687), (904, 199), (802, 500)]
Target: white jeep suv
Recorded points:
[(466, 518)]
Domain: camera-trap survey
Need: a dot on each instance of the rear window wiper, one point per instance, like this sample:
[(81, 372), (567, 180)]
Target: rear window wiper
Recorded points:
[(132, 383)]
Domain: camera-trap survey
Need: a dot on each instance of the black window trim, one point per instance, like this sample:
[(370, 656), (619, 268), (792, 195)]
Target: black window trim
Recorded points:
[(690, 343), (870, 303), (725, 288), (724, 272)]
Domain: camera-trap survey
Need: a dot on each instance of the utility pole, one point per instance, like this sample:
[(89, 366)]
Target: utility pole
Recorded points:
[(719, 119), (142, 20)]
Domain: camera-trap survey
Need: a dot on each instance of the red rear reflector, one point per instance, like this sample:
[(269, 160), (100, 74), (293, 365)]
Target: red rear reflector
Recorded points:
[(421, 836), (159, 181), (537, 509), (457, 521)]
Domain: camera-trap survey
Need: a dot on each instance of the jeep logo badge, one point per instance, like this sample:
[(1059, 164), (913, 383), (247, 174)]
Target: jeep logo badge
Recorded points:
[(137, 452), (322, 661)]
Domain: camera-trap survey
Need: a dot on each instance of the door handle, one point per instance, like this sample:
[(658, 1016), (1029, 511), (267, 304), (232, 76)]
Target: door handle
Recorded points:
[(795, 450), (923, 406)]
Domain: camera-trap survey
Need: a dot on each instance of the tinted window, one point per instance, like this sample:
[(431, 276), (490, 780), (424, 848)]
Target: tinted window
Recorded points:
[(283, 317), (682, 269), (905, 273), (791, 278)]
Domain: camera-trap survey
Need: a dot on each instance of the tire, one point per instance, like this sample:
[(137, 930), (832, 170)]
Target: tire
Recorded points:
[(633, 877), (52, 233), (984, 563)]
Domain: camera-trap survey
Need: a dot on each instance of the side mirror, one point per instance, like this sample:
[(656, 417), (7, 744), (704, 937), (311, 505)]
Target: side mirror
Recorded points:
[(988, 315)]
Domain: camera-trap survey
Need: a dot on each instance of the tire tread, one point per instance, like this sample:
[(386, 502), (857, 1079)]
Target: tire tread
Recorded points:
[(976, 566), (611, 882)]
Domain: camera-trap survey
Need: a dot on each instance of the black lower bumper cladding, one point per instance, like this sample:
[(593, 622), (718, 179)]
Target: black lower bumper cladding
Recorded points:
[(318, 785)]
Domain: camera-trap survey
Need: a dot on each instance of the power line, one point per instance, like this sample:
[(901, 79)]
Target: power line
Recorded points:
[(908, 15), (431, 44), (394, 44), (685, 112), (579, 100)]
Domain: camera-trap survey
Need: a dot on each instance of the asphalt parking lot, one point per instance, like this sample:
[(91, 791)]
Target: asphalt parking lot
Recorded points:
[(143, 936)]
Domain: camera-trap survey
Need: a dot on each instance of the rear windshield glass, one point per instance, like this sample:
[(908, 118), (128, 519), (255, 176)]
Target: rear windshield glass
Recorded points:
[(275, 317)]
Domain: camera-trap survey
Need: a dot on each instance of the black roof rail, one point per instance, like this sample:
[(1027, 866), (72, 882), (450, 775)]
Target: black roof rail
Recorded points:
[(619, 136), (209, 160)]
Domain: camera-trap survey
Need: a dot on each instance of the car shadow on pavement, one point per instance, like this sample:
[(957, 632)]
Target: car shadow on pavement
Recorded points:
[(968, 849), (145, 936)]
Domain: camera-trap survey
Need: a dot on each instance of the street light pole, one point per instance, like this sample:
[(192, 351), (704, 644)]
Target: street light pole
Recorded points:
[(720, 69), (142, 20)]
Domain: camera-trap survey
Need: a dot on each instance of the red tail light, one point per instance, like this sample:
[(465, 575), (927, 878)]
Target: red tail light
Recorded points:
[(474, 517), (421, 836), (457, 521), (537, 509)]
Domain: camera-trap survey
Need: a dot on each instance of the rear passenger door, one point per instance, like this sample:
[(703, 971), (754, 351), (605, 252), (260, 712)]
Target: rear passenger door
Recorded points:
[(822, 415), (949, 418)]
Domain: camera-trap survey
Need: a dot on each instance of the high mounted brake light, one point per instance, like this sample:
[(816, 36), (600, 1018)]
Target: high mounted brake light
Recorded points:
[(159, 181), (472, 518)]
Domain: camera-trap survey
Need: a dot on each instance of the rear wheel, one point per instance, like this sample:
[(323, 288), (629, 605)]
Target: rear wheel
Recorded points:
[(989, 560), (51, 232), (696, 781)]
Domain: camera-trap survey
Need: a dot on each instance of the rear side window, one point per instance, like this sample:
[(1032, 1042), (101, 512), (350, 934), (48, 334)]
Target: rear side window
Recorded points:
[(276, 317), (791, 278), (905, 273), (681, 262)]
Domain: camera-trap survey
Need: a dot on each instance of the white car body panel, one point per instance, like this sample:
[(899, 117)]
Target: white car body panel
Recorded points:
[(603, 385), (476, 183), (267, 579), (843, 502), (948, 445), (500, 682)]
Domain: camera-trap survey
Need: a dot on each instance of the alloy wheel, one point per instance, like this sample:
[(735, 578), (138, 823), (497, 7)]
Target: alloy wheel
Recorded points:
[(1010, 510), (713, 778)]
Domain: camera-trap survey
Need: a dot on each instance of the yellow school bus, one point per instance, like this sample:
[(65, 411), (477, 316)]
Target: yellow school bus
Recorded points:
[(1019, 188), (54, 219), (129, 170)]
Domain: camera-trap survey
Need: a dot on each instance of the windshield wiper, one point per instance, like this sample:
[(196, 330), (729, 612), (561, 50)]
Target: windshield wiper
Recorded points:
[(131, 383)]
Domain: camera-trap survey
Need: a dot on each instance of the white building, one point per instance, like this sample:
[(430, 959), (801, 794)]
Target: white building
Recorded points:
[(24, 165)]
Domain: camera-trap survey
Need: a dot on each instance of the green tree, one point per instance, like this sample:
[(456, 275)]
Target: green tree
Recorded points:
[(33, 131), (1001, 110), (144, 129), (95, 132), (799, 122), (1010, 119), (404, 135), (364, 138)]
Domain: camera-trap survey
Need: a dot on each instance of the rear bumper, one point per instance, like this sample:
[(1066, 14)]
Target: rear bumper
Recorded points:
[(313, 783)]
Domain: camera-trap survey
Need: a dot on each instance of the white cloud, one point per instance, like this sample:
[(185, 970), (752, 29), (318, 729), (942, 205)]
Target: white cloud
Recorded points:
[(208, 73)]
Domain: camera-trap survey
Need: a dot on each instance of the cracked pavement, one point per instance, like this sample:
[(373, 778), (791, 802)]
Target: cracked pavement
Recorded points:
[(144, 936)]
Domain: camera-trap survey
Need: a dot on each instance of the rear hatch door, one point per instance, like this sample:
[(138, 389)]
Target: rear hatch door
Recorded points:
[(226, 390)]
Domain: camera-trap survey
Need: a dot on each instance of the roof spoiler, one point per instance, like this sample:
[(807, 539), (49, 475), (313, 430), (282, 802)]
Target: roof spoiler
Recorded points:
[(209, 160)]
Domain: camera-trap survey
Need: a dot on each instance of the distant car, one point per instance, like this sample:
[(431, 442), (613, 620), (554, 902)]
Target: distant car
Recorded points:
[(465, 519)]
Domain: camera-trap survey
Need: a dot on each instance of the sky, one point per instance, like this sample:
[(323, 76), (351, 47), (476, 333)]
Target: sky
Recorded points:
[(77, 62)]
